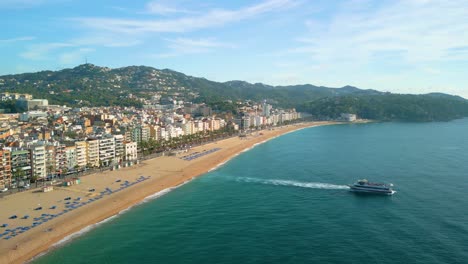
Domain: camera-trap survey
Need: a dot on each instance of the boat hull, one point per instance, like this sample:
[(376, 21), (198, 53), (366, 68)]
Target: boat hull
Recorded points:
[(371, 191)]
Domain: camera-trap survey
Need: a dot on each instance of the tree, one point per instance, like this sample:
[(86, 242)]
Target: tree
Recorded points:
[(18, 174)]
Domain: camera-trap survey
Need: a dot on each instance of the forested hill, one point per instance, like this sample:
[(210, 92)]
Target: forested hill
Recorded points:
[(91, 85), (390, 107), (105, 86)]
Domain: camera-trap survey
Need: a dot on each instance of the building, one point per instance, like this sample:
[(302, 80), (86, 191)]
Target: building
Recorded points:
[(51, 165), (266, 109), (145, 133), (136, 134), (348, 117), (25, 117), (205, 111), (31, 104), (5, 168), (119, 147), (141, 133), (70, 157), (155, 132), (38, 161), (60, 157), (130, 150), (14, 96), (21, 164), (188, 128), (5, 132), (93, 153), (81, 153), (106, 150)]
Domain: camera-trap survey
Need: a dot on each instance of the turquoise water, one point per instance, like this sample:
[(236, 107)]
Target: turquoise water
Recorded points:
[(285, 201)]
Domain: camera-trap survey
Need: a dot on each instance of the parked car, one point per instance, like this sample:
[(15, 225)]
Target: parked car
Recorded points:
[(4, 190)]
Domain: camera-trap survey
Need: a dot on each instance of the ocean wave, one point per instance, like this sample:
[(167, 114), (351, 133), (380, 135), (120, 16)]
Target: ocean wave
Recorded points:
[(313, 185), (219, 165), (72, 236), (237, 154)]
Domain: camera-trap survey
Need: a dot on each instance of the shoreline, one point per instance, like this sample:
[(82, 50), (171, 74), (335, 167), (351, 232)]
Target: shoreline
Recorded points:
[(173, 172)]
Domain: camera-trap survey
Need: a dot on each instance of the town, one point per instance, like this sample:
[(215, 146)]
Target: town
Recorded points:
[(46, 142)]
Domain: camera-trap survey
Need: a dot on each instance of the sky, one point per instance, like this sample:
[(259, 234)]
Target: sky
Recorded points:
[(400, 46)]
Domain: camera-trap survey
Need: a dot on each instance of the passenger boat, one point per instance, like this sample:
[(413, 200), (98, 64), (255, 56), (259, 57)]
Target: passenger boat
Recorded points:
[(364, 186)]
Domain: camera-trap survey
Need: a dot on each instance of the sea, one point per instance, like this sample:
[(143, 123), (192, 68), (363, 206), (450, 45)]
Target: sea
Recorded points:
[(287, 201)]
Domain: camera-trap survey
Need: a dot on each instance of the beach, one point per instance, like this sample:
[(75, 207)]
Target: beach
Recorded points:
[(67, 210)]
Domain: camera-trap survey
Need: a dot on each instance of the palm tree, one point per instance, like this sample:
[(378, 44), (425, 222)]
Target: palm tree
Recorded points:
[(50, 168), (18, 174)]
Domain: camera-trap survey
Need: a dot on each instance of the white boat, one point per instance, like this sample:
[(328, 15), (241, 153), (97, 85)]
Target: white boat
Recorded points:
[(364, 186)]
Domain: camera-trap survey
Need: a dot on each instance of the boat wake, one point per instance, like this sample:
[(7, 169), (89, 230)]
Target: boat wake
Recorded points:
[(312, 185)]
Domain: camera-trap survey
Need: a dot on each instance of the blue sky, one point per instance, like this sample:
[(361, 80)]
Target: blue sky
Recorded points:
[(410, 46)]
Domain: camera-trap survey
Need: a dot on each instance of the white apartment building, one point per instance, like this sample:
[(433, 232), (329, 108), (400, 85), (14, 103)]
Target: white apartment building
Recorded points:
[(119, 147), (81, 153), (38, 161), (130, 149), (164, 134), (145, 133), (258, 120), (106, 150), (206, 126), (198, 126), (188, 128), (93, 152), (70, 156)]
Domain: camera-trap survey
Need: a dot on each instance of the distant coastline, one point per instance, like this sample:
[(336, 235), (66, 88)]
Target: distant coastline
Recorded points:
[(166, 173)]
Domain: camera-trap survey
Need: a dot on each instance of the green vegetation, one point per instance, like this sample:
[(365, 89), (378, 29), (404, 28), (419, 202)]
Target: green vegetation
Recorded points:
[(155, 146), (389, 107), (90, 85), (8, 106)]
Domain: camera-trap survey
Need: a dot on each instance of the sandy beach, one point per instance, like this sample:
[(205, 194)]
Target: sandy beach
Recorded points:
[(67, 210)]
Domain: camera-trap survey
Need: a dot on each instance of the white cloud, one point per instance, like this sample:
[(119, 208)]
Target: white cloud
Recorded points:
[(12, 40), (106, 40), (164, 8), (422, 31), (41, 51), (183, 46), (213, 18), (44, 51)]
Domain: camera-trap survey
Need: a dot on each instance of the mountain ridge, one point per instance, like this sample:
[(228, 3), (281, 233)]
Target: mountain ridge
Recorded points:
[(98, 86)]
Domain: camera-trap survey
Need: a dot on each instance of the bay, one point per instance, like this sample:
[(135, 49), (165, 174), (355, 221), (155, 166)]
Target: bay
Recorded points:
[(286, 201)]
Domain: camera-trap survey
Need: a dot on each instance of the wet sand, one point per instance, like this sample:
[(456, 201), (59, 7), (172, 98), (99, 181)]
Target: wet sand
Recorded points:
[(114, 191)]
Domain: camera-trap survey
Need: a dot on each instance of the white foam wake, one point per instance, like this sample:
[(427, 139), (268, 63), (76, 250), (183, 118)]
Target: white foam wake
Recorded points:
[(313, 185)]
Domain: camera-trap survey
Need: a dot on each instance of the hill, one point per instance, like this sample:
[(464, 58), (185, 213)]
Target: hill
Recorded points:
[(91, 85), (94, 85), (391, 107)]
